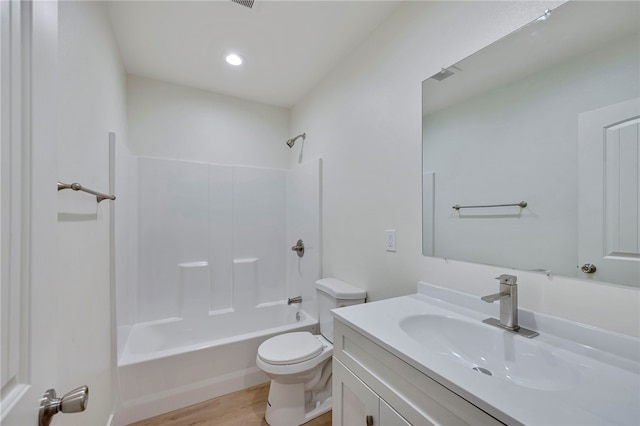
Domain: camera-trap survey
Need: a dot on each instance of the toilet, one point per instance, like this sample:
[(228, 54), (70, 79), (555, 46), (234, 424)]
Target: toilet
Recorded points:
[(299, 363)]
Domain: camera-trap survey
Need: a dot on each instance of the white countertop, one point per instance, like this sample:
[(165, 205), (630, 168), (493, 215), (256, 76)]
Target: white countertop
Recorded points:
[(605, 365)]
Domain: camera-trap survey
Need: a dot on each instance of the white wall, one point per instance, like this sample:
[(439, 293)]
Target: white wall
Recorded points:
[(181, 123), (364, 120), (168, 121), (91, 103)]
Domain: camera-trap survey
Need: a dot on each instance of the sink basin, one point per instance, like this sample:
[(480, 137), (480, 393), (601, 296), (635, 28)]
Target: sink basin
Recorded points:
[(494, 352)]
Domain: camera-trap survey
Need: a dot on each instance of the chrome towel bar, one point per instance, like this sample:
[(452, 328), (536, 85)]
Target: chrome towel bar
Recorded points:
[(521, 204), (77, 187)]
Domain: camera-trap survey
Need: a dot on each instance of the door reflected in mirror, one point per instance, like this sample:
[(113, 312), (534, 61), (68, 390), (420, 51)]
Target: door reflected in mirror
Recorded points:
[(549, 115)]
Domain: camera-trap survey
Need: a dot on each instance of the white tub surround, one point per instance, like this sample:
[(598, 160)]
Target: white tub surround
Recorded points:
[(213, 238), (214, 274), (571, 374)]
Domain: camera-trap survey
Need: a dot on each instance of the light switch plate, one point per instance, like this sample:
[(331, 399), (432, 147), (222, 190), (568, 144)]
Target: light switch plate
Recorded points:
[(390, 240)]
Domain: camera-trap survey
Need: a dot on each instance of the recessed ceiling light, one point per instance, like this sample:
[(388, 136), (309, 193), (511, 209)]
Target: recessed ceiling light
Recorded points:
[(234, 59)]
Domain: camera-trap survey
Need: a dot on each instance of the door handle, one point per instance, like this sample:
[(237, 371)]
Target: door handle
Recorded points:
[(74, 401)]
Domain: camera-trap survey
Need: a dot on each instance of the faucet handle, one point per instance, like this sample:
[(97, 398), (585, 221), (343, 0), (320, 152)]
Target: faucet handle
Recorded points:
[(507, 279)]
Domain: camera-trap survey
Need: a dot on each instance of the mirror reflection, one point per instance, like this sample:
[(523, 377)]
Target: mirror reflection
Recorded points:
[(549, 116)]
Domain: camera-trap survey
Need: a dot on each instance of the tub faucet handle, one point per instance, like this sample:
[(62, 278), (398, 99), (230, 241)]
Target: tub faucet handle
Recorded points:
[(299, 248)]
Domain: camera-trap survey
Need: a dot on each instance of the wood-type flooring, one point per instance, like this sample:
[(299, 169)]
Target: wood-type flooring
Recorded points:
[(242, 408)]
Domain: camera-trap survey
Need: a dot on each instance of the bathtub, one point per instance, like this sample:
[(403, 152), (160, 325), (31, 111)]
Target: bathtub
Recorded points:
[(170, 364)]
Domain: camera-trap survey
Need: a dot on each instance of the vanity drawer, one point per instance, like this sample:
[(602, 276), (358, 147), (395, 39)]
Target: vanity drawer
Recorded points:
[(418, 398)]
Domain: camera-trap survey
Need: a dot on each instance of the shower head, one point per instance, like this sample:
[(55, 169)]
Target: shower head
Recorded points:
[(291, 141)]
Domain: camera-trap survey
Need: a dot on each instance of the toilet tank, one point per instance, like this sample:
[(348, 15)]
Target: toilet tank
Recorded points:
[(334, 293)]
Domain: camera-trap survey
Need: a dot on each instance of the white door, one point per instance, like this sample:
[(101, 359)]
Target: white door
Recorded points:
[(609, 193), (28, 201)]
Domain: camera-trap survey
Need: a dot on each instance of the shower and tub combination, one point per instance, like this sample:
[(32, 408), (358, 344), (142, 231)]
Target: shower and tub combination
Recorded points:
[(204, 269)]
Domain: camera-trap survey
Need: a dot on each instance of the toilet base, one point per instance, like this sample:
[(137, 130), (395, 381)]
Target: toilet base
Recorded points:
[(286, 405)]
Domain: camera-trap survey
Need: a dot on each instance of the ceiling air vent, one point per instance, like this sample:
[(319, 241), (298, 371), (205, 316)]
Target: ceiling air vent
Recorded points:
[(245, 3)]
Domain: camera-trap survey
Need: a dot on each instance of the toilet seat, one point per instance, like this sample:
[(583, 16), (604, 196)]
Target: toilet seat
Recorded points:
[(290, 348), (300, 367)]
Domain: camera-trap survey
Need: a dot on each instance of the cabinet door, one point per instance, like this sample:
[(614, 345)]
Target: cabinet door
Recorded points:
[(390, 417), (354, 404)]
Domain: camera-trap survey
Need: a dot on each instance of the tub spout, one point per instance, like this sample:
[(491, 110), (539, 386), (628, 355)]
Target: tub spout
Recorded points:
[(297, 299)]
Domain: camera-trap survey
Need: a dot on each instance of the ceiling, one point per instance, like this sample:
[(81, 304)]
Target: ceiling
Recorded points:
[(288, 45)]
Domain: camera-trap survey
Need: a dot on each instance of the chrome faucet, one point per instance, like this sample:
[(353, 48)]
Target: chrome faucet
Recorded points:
[(297, 299), (508, 298)]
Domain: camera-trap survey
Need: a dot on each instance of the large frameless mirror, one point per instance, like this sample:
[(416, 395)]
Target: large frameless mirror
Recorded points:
[(531, 154)]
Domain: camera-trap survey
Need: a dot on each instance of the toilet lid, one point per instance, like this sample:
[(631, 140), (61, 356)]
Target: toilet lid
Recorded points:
[(290, 348)]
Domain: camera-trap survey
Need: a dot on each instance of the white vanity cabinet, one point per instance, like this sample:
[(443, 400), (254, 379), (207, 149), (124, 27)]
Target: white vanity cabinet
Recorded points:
[(371, 386), (354, 403)]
